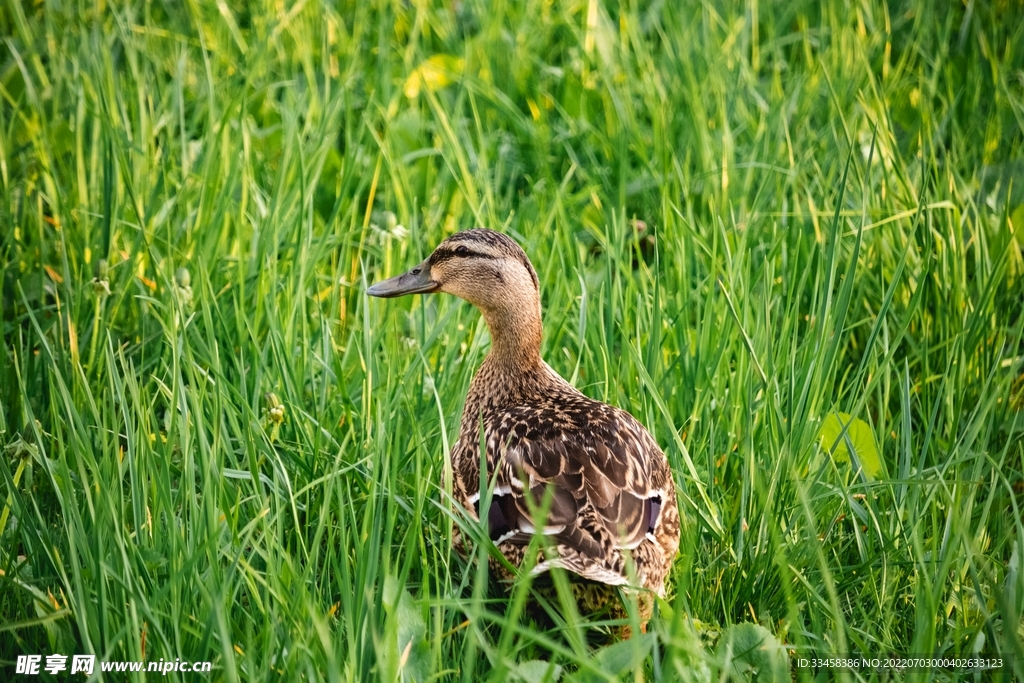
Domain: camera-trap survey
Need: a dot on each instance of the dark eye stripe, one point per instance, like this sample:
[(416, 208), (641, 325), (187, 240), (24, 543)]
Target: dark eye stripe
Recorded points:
[(462, 251), (465, 252)]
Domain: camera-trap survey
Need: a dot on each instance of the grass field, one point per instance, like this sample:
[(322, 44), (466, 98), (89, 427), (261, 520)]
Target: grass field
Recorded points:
[(747, 218)]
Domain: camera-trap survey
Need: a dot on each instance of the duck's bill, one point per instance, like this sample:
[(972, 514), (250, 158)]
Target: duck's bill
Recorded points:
[(416, 281)]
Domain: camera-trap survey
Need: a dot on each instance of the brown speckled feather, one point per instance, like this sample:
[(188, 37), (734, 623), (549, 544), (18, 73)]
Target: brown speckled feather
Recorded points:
[(610, 486)]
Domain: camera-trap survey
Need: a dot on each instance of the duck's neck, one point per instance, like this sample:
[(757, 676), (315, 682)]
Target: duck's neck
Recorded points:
[(515, 337)]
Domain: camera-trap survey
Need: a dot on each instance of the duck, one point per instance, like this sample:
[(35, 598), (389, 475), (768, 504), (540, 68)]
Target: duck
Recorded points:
[(612, 521)]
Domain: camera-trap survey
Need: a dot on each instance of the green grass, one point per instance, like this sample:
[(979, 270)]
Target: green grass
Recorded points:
[(745, 217)]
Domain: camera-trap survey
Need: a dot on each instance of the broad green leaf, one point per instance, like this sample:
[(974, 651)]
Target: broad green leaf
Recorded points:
[(405, 655), (537, 671), (749, 652), (619, 658), (858, 436), (1016, 240)]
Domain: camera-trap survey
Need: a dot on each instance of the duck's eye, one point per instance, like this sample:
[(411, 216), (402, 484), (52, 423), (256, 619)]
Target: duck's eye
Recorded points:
[(462, 250)]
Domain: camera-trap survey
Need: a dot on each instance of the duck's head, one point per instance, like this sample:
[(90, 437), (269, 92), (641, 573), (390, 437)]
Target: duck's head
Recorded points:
[(487, 269), (484, 267)]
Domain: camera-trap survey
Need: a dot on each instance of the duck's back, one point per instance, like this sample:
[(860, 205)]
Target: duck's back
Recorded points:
[(604, 482)]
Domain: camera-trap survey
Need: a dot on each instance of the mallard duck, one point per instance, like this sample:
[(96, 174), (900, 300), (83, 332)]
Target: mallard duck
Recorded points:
[(608, 486)]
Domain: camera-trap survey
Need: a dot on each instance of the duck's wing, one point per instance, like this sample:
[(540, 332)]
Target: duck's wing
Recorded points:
[(598, 472)]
